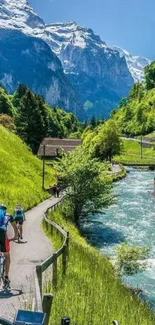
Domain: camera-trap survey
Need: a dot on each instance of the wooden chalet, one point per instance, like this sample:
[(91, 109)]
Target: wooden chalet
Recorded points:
[(53, 147)]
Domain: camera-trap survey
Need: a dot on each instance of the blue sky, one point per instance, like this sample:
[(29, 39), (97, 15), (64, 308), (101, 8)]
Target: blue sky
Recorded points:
[(129, 24)]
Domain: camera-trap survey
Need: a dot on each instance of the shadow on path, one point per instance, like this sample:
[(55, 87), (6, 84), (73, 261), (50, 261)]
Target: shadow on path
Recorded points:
[(10, 294)]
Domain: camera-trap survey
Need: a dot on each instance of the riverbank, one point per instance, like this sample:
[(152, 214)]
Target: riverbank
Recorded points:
[(118, 172), (130, 219), (91, 293)]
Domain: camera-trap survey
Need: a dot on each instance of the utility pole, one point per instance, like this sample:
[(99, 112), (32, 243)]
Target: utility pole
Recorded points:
[(141, 153), (43, 171)]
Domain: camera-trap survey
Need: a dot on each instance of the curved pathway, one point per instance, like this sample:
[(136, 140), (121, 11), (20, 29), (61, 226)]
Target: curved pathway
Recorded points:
[(24, 257)]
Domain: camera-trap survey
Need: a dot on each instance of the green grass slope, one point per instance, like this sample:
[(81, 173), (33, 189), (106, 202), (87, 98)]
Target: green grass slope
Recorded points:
[(20, 173), (132, 153)]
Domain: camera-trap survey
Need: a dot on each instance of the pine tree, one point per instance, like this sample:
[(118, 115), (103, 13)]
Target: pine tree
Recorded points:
[(93, 121), (30, 122)]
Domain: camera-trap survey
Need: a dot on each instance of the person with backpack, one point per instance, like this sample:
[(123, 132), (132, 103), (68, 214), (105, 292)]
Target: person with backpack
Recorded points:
[(19, 217), (5, 218)]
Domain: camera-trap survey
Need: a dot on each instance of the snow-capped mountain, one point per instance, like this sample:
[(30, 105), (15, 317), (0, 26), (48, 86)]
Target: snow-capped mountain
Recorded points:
[(98, 73), (95, 74), (136, 64), (18, 14), (27, 59)]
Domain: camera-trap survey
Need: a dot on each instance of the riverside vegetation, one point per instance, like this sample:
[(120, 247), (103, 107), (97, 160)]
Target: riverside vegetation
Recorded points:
[(90, 293)]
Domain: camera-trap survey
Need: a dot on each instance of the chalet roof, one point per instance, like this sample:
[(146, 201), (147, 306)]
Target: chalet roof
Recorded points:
[(55, 146)]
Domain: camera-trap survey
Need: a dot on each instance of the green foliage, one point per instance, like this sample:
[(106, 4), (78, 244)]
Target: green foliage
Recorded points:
[(90, 292), (108, 142), (62, 124), (34, 119), (150, 76), (104, 142), (137, 92), (6, 106), (21, 173), (31, 120), (7, 122), (136, 114), (132, 153), (93, 121), (89, 188), (130, 260)]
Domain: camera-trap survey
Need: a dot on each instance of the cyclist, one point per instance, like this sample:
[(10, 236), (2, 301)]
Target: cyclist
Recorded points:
[(19, 217), (5, 218)]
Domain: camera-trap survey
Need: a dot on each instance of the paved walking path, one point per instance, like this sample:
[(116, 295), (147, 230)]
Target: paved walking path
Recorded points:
[(116, 169), (24, 257)]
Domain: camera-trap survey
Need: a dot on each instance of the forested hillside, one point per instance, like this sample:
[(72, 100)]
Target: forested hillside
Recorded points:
[(32, 119), (136, 114)]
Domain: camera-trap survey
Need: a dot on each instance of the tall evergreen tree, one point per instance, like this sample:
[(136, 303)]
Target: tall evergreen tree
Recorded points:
[(6, 106), (30, 122)]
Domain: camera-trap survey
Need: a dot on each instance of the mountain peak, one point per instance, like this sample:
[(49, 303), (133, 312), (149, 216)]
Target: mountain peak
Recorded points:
[(16, 14), (60, 35), (136, 64)]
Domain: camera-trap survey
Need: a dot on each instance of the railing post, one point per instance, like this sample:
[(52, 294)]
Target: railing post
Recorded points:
[(47, 305), (51, 229), (64, 260), (39, 275), (43, 168), (67, 243), (46, 225), (55, 270)]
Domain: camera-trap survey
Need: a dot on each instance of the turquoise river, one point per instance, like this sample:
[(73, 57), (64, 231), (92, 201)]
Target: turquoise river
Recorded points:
[(130, 219)]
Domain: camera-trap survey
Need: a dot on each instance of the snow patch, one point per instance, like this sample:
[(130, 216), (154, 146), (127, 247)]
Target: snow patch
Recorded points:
[(136, 64)]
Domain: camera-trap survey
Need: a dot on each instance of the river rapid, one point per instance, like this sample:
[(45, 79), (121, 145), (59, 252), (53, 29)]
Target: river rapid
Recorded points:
[(130, 219)]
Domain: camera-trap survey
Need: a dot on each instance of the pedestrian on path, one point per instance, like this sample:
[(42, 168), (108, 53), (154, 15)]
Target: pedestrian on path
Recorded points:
[(54, 190), (58, 190)]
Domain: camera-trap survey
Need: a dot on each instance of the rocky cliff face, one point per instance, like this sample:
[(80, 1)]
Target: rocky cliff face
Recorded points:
[(136, 64), (90, 74), (98, 73), (27, 59)]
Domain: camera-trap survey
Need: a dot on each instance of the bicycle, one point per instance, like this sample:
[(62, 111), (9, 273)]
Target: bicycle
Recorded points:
[(6, 286)]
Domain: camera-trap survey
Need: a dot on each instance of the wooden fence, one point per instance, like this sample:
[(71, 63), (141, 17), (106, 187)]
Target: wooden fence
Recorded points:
[(43, 302)]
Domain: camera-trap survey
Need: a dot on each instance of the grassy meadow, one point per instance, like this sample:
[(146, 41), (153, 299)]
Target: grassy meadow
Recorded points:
[(90, 293), (132, 153), (21, 173)]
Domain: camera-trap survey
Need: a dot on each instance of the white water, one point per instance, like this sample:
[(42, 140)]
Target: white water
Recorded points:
[(131, 219)]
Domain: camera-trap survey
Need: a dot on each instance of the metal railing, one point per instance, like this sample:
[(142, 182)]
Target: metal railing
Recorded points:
[(43, 302)]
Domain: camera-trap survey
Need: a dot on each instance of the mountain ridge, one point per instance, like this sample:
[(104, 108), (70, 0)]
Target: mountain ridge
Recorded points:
[(97, 75)]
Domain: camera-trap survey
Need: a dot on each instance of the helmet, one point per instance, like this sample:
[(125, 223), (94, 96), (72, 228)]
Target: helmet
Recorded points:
[(3, 206), (18, 206)]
